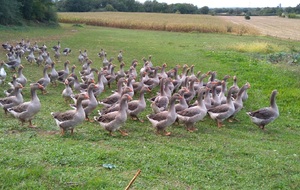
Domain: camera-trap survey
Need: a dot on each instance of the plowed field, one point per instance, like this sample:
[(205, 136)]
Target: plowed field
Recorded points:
[(270, 25)]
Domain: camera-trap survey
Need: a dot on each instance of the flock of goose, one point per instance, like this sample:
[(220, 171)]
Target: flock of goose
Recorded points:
[(183, 97)]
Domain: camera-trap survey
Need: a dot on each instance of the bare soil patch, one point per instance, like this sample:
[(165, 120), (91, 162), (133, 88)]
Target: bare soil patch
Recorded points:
[(270, 25)]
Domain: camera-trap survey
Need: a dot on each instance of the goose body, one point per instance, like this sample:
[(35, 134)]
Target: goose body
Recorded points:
[(191, 115), (14, 100), (2, 73), (223, 111), (160, 121), (238, 102), (53, 75), (45, 80), (27, 110), (68, 120), (266, 115), (21, 78), (112, 121)]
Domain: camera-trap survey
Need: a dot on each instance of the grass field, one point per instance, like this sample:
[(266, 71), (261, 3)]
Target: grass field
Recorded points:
[(237, 156)]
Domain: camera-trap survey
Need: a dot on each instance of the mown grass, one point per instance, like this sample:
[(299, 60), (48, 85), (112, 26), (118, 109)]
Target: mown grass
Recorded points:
[(157, 21), (238, 156)]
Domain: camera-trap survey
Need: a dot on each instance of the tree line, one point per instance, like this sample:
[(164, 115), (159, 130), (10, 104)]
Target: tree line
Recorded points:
[(156, 7), (18, 11)]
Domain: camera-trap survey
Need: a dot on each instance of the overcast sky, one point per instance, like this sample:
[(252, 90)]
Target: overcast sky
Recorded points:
[(234, 3)]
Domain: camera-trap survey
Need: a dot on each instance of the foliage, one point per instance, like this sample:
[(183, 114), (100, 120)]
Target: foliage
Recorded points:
[(12, 12), (9, 12), (283, 57), (247, 17)]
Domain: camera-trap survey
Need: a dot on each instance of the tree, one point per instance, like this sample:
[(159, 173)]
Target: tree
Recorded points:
[(204, 10), (9, 12)]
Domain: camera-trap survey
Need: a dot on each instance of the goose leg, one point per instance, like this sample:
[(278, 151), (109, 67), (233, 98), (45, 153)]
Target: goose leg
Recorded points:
[(220, 124), (167, 133), (30, 124), (123, 133), (192, 129), (72, 131)]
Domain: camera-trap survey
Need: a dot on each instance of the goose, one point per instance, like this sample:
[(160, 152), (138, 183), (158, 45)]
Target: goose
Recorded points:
[(35, 47), (160, 121), (68, 120), (30, 58), (234, 93), (191, 115), (266, 115), (67, 51), (219, 88), (67, 93), (161, 101), (53, 75), (137, 86), (12, 84), (101, 53), (63, 74), (198, 84), (154, 81), (80, 57), (163, 73), (45, 80), (2, 73), (27, 110), (85, 55), (21, 78), (223, 111), (215, 99), (14, 63), (177, 80), (48, 59), (113, 121), (105, 61), (100, 85), (43, 47), (189, 96), (112, 99), (182, 104), (14, 100), (110, 77), (222, 96), (120, 56), (91, 103), (56, 47), (238, 102), (57, 55), (184, 73), (137, 106), (39, 60), (121, 72)]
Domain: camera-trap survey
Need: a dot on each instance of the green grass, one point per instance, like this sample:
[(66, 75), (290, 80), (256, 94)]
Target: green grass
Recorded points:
[(238, 156)]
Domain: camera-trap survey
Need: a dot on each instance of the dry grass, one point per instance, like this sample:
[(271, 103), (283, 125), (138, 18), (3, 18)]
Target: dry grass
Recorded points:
[(257, 47), (158, 21)]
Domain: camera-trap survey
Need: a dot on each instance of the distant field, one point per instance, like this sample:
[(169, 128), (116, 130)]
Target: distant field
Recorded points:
[(158, 21), (270, 25)]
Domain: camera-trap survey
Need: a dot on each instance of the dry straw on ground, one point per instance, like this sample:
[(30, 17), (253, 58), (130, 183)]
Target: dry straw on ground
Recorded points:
[(158, 21)]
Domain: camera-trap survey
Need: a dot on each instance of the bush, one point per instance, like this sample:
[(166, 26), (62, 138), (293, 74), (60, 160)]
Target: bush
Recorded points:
[(247, 17), (292, 15)]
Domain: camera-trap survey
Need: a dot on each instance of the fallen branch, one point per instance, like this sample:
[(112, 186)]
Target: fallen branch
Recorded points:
[(131, 182)]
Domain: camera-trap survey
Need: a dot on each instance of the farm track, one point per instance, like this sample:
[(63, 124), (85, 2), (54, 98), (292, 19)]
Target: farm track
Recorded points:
[(270, 25)]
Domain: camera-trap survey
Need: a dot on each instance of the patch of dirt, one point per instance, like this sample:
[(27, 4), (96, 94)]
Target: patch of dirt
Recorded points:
[(270, 25)]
